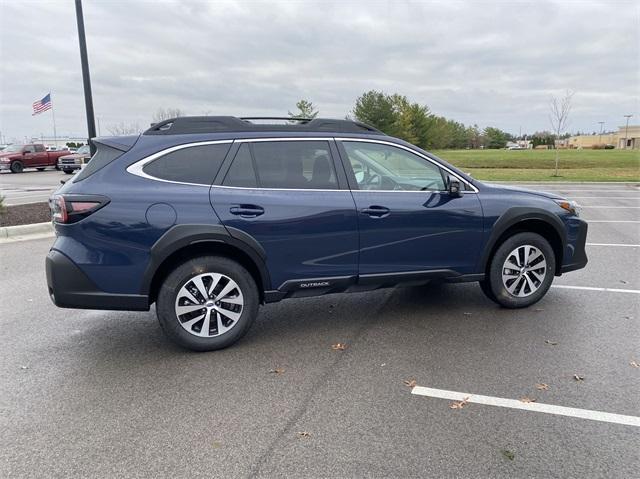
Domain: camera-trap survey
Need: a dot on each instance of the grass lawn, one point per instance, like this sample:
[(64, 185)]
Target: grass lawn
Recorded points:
[(538, 165)]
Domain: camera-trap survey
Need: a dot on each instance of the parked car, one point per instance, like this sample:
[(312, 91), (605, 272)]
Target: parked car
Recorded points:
[(18, 157), (209, 217), (74, 161)]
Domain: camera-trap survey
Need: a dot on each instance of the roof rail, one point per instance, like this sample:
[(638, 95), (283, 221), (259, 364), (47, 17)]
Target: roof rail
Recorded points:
[(216, 124)]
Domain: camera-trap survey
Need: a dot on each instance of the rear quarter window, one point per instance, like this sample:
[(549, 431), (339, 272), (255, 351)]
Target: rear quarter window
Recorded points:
[(193, 164), (103, 156)]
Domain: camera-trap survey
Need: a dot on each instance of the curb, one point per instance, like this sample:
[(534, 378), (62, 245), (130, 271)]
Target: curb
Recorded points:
[(26, 232)]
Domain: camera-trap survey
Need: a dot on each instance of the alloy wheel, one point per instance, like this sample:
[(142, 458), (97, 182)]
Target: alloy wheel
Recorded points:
[(524, 271), (209, 304)]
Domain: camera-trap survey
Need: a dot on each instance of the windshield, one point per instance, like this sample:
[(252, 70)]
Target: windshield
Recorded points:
[(83, 149), (12, 149)]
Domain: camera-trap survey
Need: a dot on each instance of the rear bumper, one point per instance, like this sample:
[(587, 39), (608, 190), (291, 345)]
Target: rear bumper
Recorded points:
[(578, 258), (69, 287)]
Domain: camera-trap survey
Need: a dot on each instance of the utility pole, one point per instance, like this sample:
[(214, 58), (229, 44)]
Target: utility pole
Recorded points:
[(601, 125), (86, 80), (626, 130)]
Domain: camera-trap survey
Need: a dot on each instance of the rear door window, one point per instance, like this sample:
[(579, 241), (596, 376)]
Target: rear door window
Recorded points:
[(242, 173), (294, 165), (193, 164)]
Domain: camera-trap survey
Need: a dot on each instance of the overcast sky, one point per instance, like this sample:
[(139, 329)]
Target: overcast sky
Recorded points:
[(491, 63)]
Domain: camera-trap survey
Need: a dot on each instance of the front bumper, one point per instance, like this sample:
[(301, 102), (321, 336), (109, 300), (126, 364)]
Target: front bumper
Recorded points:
[(69, 287), (5, 166), (575, 254)]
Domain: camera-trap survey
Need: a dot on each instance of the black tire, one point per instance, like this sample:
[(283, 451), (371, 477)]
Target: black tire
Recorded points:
[(40, 169), (495, 288), (17, 167), (68, 171), (166, 302)]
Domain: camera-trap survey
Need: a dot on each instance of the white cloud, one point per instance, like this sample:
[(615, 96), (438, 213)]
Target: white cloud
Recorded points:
[(491, 63)]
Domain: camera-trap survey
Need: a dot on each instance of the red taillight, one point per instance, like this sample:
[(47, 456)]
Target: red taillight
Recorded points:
[(72, 208)]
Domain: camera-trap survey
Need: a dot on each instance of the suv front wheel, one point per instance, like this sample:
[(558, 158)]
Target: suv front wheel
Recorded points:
[(207, 303), (521, 271)]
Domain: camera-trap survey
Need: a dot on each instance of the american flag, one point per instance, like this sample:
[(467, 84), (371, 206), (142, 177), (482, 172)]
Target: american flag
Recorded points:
[(42, 105)]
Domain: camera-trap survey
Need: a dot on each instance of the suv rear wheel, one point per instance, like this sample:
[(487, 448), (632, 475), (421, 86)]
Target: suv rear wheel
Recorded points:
[(521, 271), (207, 303)]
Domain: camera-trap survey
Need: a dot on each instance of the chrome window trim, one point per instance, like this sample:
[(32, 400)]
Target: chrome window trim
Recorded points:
[(396, 145), (136, 168)]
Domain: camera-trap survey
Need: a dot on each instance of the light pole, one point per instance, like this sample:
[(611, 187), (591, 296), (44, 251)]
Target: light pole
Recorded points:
[(626, 130), (601, 125), (86, 80)]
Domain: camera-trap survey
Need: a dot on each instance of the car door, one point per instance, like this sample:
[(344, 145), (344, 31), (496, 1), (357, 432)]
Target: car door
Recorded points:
[(288, 195), (29, 156), (41, 157), (408, 221)]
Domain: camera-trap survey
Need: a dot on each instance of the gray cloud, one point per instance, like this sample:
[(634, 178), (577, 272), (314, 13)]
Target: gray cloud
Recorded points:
[(491, 63)]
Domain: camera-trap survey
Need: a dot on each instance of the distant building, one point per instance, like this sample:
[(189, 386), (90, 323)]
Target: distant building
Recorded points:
[(617, 140), (629, 135)]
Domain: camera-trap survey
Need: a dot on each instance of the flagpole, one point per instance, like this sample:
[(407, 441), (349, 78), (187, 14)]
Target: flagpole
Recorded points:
[(53, 116)]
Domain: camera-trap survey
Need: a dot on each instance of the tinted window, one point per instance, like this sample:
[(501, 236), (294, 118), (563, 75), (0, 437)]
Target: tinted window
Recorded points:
[(195, 164), (103, 156), (29, 149), (39, 148), (241, 172), (294, 164), (384, 167)]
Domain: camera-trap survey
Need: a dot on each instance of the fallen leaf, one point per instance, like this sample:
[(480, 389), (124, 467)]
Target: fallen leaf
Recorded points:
[(542, 387), (577, 377), (508, 454), (24, 367), (552, 343), (383, 365), (276, 371), (634, 364), (527, 399), (624, 282), (217, 444), (459, 404), (304, 434), (410, 382), (339, 347)]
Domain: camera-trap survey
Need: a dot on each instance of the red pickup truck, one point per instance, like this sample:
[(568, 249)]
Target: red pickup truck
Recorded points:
[(18, 157)]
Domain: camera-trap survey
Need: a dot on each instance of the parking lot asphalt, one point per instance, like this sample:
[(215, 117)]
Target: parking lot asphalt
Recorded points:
[(103, 394), (31, 186)]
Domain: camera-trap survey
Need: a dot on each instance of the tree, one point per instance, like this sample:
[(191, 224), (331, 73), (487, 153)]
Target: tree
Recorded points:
[(559, 117), (161, 114), (375, 108), (495, 137), (306, 109), (123, 128)]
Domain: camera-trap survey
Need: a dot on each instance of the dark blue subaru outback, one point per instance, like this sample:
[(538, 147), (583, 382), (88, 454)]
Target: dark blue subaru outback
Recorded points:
[(208, 217)]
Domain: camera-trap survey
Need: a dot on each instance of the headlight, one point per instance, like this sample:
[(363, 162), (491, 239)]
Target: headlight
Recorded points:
[(570, 206)]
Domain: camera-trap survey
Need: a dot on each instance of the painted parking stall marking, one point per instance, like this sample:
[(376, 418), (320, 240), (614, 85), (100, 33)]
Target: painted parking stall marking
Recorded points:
[(592, 288), (531, 406), (615, 245)]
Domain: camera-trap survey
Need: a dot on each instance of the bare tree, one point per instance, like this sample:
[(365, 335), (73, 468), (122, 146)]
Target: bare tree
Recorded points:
[(559, 117), (123, 128), (166, 114)]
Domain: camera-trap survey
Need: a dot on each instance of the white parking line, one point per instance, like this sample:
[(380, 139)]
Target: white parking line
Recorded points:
[(530, 406), (613, 207), (591, 288), (615, 244), (612, 221), (607, 197)]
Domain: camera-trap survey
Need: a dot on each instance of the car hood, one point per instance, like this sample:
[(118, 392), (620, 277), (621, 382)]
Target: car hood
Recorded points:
[(73, 156), (6, 155), (544, 194)]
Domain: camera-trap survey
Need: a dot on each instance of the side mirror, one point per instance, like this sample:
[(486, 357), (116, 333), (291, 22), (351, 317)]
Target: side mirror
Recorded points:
[(455, 191)]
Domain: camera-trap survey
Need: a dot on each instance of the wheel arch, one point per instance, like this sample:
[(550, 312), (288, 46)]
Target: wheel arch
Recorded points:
[(519, 220), (182, 242)]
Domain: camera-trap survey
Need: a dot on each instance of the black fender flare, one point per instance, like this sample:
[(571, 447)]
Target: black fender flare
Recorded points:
[(512, 217), (181, 236)]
